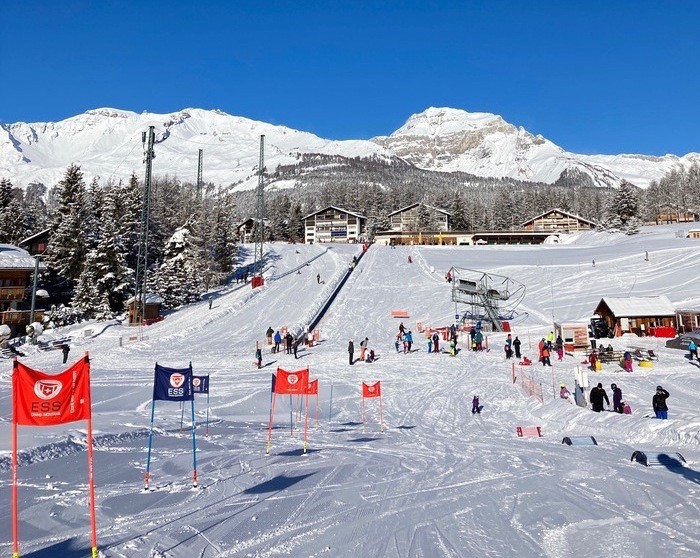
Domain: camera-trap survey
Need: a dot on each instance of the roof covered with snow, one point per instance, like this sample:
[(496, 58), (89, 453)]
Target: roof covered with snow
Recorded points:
[(12, 257), (639, 306)]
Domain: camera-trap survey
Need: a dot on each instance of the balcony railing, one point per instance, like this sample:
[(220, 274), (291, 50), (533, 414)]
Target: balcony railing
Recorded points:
[(11, 293), (19, 316)]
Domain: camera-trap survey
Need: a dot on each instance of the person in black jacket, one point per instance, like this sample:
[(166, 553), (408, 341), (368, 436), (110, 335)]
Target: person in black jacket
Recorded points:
[(659, 403), (516, 346), (597, 396), (351, 350)]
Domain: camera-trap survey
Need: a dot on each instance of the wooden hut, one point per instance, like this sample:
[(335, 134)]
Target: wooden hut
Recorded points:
[(647, 315), (151, 310)]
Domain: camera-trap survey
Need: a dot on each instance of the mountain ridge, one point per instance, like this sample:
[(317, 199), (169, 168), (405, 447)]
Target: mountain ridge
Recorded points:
[(106, 142)]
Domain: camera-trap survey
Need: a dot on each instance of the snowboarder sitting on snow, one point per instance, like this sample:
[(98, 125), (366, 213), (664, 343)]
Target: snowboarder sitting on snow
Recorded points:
[(626, 409), (563, 392), (475, 405), (370, 357)]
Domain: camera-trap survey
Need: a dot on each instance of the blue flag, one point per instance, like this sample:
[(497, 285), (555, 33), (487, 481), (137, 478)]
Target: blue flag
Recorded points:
[(200, 384), (173, 384)]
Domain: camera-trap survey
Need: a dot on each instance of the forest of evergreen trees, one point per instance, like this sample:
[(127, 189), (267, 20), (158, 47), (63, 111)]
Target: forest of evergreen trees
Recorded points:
[(94, 229)]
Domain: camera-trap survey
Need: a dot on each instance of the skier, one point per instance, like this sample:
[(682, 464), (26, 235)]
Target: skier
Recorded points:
[(436, 343), (597, 396), (472, 335), (627, 358), (559, 345), (545, 356), (475, 405), (258, 356), (409, 340), (479, 338), (508, 350), (402, 329), (351, 350), (659, 403), (617, 398), (288, 342), (318, 278), (410, 260), (398, 341), (278, 340), (363, 348), (550, 340), (693, 348), (295, 346), (269, 333), (66, 349), (430, 344), (593, 359), (516, 346), (453, 347)]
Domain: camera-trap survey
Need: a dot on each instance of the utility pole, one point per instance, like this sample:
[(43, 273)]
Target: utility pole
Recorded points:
[(199, 174), (259, 221), (142, 259)]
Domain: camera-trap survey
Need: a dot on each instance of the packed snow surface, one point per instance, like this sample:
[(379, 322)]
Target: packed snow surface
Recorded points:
[(437, 481)]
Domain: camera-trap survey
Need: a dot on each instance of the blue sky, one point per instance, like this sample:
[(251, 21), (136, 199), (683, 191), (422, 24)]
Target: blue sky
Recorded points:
[(592, 76)]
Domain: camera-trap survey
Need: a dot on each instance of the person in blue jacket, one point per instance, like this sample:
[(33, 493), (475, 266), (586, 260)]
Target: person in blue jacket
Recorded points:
[(278, 340), (693, 348)]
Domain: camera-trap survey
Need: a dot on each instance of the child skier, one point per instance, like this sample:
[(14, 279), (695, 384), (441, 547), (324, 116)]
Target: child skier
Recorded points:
[(475, 405)]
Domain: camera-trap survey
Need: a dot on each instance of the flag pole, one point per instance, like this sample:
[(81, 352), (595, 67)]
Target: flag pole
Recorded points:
[(273, 399), (306, 421), (182, 415), (91, 469), (381, 415), (291, 415), (330, 404), (194, 443), (207, 431), (15, 532), (363, 411), (150, 441)]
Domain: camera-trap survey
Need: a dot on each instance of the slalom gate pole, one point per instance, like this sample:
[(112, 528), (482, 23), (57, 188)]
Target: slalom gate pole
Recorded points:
[(330, 405), (291, 415), (194, 446), (91, 469), (182, 415), (15, 532), (306, 424), (273, 399), (206, 433), (363, 413), (317, 411), (150, 441), (91, 483), (513, 365), (381, 415)]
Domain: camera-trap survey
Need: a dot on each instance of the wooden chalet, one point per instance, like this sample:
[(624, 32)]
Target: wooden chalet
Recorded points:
[(16, 271), (245, 231), (407, 218), (648, 315), (37, 243), (558, 220), (333, 224), (669, 215), (151, 311)]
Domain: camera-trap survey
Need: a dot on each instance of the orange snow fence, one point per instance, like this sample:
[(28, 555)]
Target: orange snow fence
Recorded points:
[(399, 314), (528, 431)]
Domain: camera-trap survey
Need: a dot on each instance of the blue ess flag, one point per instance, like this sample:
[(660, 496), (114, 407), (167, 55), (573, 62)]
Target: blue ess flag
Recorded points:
[(173, 384), (200, 384)]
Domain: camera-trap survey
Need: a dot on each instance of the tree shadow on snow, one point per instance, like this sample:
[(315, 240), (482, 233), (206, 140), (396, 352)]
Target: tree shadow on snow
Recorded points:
[(276, 484), (675, 466), (70, 548)]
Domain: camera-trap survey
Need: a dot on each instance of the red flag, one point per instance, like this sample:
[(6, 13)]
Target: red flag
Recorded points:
[(41, 399), (312, 388), (375, 390), (292, 383)]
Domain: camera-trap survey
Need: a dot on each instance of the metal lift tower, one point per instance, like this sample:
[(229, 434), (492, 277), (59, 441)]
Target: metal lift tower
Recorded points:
[(258, 280), (142, 258)]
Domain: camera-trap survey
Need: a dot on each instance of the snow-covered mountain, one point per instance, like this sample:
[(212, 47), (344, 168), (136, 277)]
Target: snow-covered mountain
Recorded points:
[(486, 145), (107, 144)]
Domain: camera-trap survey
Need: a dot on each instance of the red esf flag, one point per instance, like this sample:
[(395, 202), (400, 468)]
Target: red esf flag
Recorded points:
[(41, 399), (290, 383), (374, 390), (312, 388)]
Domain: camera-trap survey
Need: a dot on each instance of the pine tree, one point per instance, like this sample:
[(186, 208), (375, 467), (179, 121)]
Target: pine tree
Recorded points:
[(67, 246), (86, 298), (178, 280), (623, 214)]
